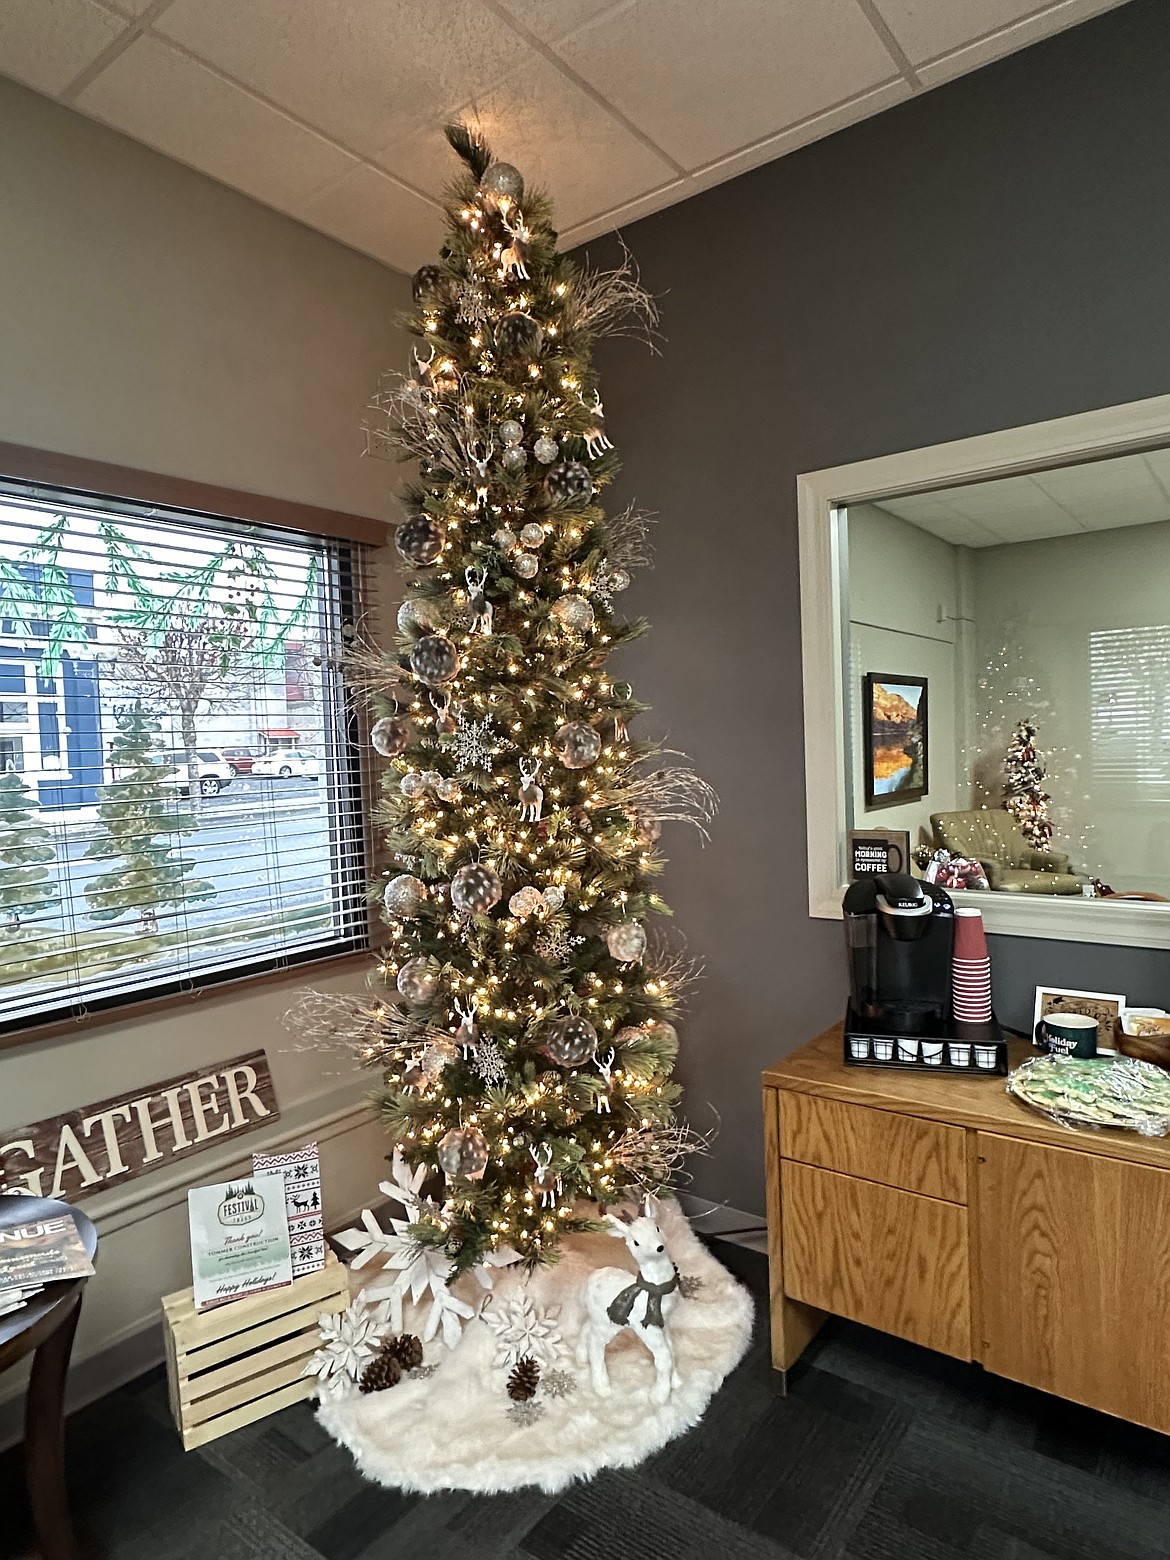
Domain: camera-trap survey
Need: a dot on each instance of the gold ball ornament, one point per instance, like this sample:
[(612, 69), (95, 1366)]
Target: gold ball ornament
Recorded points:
[(404, 895), (418, 980), (463, 1152)]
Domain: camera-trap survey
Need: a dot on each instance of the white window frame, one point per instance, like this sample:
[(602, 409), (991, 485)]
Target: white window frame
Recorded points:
[(822, 497)]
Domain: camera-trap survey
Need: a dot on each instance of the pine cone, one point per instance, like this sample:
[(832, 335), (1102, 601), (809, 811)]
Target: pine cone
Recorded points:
[(406, 1349), (524, 1380), (382, 1372)]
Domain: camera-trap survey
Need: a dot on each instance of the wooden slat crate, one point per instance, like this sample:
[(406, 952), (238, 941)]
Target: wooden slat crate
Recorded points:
[(240, 1362)]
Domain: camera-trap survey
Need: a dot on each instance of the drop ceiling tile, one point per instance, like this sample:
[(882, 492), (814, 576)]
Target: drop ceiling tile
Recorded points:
[(1159, 463), (558, 137), (187, 111), (368, 211), (926, 28), (1108, 492), (1010, 506), (705, 80), (48, 44), (128, 7), (814, 129), (994, 46), (366, 71), (552, 19)]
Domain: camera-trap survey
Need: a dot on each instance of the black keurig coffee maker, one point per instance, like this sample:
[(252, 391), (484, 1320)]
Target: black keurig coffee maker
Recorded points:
[(900, 937)]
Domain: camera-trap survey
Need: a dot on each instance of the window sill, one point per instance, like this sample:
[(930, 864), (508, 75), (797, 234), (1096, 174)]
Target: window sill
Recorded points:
[(129, 1011)]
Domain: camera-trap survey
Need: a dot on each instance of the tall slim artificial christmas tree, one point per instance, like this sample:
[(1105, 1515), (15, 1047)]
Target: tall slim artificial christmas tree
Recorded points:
[(26, 854), (1024, 795), (141, 828), (527, 1043)]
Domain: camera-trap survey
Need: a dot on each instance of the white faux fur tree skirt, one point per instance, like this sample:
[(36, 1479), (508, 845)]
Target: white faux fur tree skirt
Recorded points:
[(455, 1429)]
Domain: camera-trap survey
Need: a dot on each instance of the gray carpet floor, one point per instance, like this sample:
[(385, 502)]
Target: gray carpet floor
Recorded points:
[(881, 1451)]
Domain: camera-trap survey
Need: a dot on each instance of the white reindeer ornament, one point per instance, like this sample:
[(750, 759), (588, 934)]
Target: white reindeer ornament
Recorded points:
[(616, 1302)]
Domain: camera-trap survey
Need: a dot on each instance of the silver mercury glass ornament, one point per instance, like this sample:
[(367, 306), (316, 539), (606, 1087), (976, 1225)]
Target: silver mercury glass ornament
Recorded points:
[(404, 895), (390, 735), (501, 182), (532, 534), (573, 612), (463, 1152), (525, 566), (578, 744), (434, 659), (511, 432), (418, 980), (546, 450), (626, 941), (476, 888), (570, 1041)]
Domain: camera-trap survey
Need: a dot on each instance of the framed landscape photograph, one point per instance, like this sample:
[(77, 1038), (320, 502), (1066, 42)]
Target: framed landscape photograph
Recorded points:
[(894, 721)]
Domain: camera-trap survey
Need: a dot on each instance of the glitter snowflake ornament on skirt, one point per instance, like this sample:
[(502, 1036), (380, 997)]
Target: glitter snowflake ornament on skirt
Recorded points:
[(349, 1341), (522, 1328)]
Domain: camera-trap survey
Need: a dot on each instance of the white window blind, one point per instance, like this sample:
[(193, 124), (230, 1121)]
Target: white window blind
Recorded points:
[(180, 788), (1129, 679)]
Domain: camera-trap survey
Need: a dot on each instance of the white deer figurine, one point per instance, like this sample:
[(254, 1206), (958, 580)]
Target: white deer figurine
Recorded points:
[(616, 1301)]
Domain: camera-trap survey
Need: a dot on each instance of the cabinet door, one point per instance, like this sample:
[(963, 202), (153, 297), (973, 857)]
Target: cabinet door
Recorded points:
[(890, 1259), (1075, 1286)]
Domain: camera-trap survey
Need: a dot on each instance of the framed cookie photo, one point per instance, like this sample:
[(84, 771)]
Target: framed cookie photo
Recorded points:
[(1105, 1007)]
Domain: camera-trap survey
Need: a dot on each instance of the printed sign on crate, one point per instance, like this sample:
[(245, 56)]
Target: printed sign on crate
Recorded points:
[(301, 1170)]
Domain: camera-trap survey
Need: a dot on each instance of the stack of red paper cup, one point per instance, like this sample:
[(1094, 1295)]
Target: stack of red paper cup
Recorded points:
[(971, 975)]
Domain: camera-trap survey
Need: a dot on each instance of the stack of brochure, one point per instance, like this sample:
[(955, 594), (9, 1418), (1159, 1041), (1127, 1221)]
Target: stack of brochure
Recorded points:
[(35, 1252), (13, 1299)]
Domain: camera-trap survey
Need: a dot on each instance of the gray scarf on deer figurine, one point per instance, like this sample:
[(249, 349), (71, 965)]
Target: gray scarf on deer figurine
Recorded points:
[(621, 1307)]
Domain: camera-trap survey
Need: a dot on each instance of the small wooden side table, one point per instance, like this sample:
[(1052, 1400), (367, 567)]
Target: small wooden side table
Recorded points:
[(44, 1328)]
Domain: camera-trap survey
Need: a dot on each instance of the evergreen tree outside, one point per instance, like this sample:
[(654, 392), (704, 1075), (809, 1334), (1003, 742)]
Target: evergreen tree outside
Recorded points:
[(26, 853), (528, 1044), (141, 827)]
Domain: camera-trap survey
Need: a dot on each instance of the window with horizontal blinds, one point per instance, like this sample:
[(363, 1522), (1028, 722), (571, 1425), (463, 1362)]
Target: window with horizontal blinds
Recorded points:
[(1129, 680), (180, 785)]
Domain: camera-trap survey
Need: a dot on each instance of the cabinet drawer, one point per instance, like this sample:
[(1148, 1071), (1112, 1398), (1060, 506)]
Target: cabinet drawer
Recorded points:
[(878, 1145), (878, 1255)]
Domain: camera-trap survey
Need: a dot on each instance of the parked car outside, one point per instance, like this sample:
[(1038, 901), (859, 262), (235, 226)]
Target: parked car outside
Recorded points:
[(286, 763), (241, 759), (214, 771)]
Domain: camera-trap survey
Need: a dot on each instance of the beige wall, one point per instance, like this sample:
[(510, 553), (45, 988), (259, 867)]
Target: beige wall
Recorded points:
[(906, 590), (150, 317)]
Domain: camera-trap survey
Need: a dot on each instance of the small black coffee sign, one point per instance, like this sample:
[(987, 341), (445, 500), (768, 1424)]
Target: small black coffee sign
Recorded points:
[(873, 851), (83, 1151)]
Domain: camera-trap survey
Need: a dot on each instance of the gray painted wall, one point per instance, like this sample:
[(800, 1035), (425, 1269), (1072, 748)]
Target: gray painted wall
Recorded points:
[(990, 254)]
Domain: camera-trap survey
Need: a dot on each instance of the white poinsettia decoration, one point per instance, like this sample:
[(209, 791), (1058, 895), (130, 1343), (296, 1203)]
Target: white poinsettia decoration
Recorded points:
[(349, 1341), (522, 1327)]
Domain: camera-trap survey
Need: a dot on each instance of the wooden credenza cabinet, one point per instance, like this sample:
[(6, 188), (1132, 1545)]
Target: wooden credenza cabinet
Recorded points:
[(939, 1209)]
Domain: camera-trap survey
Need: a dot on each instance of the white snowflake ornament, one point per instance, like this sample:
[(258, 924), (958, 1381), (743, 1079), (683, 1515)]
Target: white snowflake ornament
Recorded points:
[(522, 1327), (349, 1341)]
